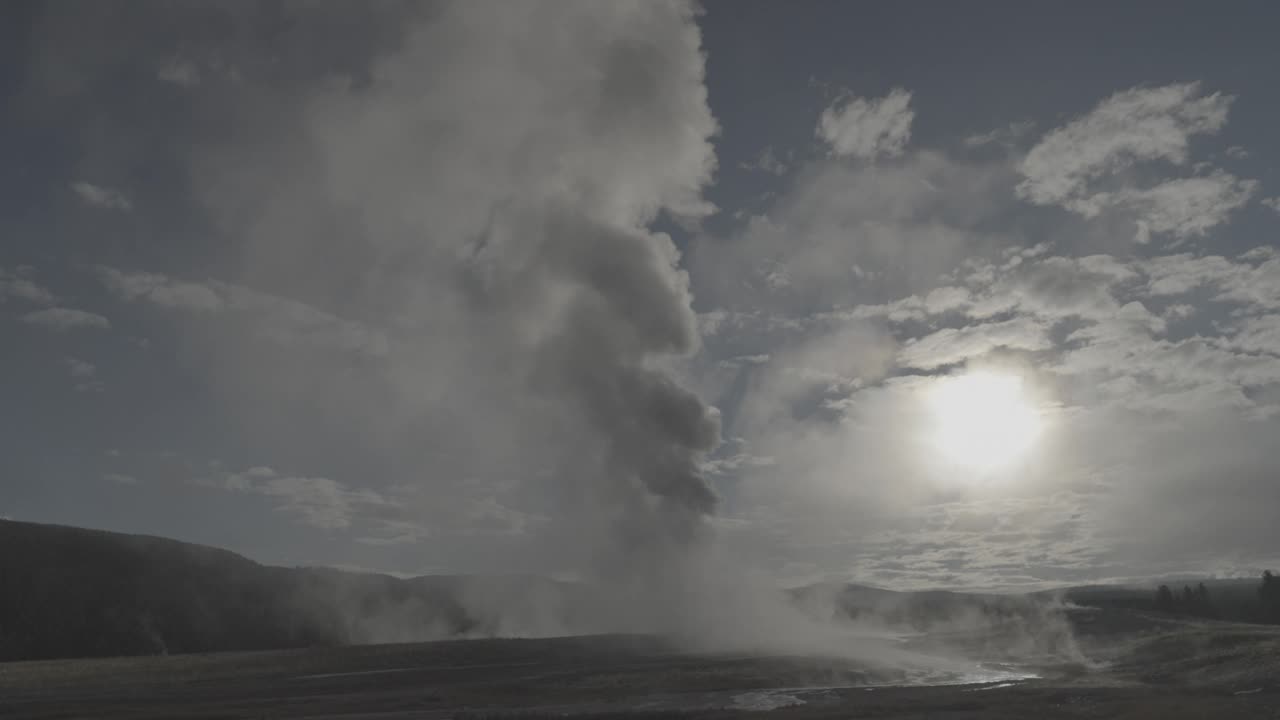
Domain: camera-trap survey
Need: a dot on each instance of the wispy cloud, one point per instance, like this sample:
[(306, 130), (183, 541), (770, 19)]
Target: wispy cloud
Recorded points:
[(767, 161), (278, 319), (179, 71), (868, 128), (62, 318), (315, 501), (19, 284), (954, 345), (1007, 135), (84, 374), (1188, 207), (1137, 125), (1084, 165), (101, 197)]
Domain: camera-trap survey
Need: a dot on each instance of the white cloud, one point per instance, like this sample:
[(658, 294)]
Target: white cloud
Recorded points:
[(120, 479), (937, 301), (18, 284), (161, 290), (1179, 274), (61, 318), (101, 197), (1127, 321), (1178, 372), (1132, 126), (1007, 135), (1086, 166), (1252, 281), (1272, 202), (953, 345), (315, 501), (868, 128), (1050, 288), (1259, 334), (1188, 207), (1114, 331)]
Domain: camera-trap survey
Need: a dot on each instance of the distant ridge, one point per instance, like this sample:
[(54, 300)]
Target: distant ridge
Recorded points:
[(72, 592)]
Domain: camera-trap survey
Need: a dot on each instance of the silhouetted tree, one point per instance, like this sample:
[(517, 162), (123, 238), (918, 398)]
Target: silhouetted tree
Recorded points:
[(1188, 602), (1269, 595), (1203, 604)]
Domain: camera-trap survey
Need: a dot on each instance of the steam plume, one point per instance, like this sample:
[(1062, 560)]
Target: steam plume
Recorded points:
[(483, 198)]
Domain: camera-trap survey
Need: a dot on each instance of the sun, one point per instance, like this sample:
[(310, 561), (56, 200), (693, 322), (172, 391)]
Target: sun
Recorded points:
[(982, 421)]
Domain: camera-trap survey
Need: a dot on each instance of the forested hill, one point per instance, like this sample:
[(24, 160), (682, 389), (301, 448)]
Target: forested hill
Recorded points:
[(1250, 600), (71, 592)]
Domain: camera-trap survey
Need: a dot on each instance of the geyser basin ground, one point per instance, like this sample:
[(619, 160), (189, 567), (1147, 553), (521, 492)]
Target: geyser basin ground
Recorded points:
[(1154, 668)]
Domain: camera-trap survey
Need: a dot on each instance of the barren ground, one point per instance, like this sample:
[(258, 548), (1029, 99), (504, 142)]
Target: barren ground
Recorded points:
[(1136, 666)]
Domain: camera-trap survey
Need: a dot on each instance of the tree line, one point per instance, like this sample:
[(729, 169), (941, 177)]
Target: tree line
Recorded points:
[(1260, 603), (1188, 602)]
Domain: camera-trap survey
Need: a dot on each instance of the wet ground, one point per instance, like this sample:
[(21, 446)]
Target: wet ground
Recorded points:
[(1136, 667)]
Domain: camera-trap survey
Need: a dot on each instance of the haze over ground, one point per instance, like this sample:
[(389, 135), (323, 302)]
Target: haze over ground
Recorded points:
[(913, 295)]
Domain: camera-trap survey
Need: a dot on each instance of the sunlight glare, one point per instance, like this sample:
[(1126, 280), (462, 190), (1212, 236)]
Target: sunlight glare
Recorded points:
[(982, 420)]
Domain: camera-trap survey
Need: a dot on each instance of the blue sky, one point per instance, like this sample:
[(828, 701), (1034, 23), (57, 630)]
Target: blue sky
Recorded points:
[(423, 287)]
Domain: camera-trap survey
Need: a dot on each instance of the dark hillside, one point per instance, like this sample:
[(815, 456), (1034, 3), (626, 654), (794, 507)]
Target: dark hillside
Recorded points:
[(1236, 599), (71, 592)]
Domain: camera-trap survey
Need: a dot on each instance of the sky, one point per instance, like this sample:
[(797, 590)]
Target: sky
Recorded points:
[(908, 294)]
